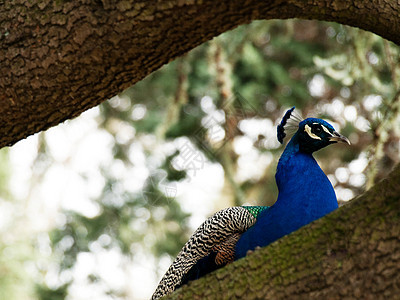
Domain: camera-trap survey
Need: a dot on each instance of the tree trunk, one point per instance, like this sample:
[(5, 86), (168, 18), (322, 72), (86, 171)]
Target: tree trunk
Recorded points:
[(60, 58), (353, 253)]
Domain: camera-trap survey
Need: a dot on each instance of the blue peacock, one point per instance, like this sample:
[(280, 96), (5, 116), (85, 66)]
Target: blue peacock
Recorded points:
[(305, 194)]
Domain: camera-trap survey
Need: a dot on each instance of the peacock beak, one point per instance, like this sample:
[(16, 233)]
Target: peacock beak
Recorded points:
[(337, 137)]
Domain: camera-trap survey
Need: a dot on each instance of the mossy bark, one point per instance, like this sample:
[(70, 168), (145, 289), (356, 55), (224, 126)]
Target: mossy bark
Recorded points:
[(353, 253), (60, 58)]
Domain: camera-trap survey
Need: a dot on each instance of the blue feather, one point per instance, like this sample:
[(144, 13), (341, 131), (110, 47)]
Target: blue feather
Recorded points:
[(305, 194)]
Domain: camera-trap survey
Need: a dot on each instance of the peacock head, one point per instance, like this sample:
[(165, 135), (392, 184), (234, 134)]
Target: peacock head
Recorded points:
[(312, 134)]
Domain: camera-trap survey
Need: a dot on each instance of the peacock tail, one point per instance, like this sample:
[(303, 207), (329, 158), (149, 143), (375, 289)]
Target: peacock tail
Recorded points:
[(217, 234)]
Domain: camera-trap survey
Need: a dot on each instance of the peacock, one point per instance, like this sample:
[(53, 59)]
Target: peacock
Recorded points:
[(305, 194)]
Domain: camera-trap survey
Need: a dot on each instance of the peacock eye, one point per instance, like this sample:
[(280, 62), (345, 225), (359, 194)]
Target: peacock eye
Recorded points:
[(316, 129)]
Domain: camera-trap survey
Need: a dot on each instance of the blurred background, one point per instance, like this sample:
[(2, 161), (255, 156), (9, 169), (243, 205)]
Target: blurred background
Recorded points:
[(98, 207)]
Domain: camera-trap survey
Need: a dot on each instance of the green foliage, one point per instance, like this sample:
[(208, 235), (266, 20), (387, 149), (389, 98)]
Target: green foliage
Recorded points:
[(4, 173), (46, 293)]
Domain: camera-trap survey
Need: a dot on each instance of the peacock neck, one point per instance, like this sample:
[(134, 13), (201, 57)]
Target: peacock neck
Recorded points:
[(292, 148), (300, 179), (305, 194)]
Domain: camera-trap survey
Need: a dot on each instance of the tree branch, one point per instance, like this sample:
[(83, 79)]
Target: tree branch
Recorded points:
[(60, 58)]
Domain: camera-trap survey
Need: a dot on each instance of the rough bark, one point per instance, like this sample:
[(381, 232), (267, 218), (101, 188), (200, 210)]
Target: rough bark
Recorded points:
[(353, 253), (60, 58)]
